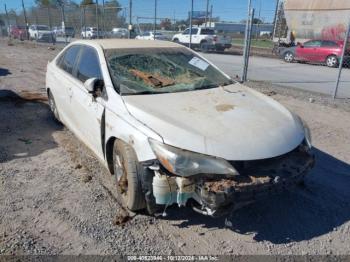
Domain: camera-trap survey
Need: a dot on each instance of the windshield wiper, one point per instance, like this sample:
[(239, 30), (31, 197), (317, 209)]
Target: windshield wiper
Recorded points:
[(207, 86), (146, 92)]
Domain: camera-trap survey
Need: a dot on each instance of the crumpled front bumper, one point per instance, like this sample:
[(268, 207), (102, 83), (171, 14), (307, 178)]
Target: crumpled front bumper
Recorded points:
[(258, 180)]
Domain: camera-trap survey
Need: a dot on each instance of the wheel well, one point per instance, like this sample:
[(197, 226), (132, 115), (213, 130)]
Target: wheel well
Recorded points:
[(109, 154), (204, 41), (176, 39), (332, 55)]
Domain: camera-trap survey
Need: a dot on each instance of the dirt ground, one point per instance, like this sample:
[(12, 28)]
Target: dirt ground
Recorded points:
[(55, 197)]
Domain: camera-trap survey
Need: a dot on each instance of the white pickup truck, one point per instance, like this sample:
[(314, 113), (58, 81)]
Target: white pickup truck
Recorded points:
[(204, 39)]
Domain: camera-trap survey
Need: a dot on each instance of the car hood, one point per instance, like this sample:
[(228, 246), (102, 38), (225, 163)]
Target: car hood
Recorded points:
[(232, 122)]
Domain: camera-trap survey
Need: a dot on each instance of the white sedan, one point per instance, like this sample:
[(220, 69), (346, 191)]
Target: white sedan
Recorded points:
[(174, 129), (152, 36)]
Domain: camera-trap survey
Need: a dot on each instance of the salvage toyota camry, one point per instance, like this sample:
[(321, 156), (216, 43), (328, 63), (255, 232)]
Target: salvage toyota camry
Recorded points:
[(173, 129)]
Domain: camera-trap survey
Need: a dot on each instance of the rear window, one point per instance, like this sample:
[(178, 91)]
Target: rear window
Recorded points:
[(207, 32), (329, 43)]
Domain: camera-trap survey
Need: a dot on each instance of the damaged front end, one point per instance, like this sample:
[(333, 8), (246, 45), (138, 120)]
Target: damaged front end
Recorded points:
[(218, 193)]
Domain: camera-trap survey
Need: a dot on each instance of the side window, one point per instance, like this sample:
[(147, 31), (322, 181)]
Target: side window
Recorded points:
[(329, 44), (194, 31), (68, 59), (312, 44), (186, 32), (89, 65)]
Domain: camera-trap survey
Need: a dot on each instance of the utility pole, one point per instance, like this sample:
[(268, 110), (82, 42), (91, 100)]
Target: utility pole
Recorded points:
[(191, 14), (103, 16), (155, 20), (275, 18), (206, 14), (247, 40), (341, 62), (174, 22), (61, 4), (211, 15), (49, 15), (25, 19), (84, 7), (130, 18), (258, 22), (7, 17), (97, 25)]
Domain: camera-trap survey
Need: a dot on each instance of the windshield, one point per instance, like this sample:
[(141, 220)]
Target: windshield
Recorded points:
[(161, 70)]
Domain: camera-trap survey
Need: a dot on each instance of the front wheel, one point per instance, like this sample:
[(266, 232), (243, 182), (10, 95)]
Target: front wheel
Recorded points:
[(288, 57), (332, 61), (127, 176)]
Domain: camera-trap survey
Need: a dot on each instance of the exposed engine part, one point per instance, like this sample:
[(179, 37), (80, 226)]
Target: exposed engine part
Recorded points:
[(168, 190)]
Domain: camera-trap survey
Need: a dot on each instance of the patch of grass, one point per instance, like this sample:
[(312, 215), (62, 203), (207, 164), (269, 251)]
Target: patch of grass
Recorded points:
[(262, 43)]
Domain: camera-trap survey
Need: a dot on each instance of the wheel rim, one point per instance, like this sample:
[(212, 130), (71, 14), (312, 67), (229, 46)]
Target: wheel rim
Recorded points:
[(332, 61), (121, 176), (288, 57)]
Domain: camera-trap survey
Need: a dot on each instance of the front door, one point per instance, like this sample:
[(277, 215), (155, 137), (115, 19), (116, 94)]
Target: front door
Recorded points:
[(87, 109), (309, 51)]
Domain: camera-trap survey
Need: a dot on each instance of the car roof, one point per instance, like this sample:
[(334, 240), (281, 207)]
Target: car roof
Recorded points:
[(127, 43)]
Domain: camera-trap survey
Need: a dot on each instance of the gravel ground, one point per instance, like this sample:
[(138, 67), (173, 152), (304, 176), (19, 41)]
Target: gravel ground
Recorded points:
[(56, 198)]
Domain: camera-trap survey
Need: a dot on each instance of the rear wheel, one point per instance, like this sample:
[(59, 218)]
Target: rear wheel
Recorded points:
[(176, 40), (332, 61), (204, 46), (288, 57), (53, 107), (127, 176), (220, 49)]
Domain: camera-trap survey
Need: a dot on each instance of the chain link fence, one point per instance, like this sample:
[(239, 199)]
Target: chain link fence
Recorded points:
[(288, 46)]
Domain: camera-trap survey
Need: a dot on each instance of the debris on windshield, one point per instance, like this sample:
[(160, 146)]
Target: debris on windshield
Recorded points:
[(166, 70), (156, 81)]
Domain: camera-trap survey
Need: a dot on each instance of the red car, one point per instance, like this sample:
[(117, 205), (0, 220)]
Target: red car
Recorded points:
[(316, 51), (18, 32)]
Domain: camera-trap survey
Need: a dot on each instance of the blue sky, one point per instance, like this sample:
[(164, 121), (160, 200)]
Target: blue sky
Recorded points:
[(227, 10)]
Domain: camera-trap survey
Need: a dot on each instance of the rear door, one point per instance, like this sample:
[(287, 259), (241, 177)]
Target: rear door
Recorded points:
[(88, 110), (328, 48), (62, 81)]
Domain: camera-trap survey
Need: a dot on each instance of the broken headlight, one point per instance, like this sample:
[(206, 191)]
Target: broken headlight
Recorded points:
[(185, 163)]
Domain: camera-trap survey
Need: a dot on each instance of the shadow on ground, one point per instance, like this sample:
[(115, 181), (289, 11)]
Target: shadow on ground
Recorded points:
[(26, 125), (4, 72), (301, 214)]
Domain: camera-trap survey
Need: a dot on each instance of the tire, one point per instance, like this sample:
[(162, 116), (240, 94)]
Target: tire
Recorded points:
[(288, 57), (127, 176), (53, 107), (332, 61), (204, 47), (176, 40), (220, 49)]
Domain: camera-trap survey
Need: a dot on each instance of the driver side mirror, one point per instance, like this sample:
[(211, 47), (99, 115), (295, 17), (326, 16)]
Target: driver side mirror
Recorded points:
[(94, 86), (300, 45)]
